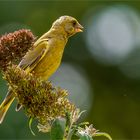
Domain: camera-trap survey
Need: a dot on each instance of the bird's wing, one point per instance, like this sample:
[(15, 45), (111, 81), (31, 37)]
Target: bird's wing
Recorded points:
[(34, 56)]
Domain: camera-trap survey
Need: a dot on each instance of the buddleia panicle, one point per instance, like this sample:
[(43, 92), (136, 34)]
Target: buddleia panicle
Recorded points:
[(13, 46), (40, 99)]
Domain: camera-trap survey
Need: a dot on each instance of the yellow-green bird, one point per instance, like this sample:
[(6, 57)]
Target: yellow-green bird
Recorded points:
[(45, 57)]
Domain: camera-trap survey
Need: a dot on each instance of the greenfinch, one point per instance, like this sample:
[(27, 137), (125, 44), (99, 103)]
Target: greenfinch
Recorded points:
[(45, 56)]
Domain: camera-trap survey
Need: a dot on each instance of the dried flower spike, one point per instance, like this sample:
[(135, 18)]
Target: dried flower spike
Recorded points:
[(13, 46), (40, 99)]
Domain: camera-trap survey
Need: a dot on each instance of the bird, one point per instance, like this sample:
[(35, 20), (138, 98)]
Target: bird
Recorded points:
[(46, 54)]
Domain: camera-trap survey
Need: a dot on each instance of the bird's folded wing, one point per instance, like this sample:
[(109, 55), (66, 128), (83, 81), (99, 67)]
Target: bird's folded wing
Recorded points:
[(34, 56)]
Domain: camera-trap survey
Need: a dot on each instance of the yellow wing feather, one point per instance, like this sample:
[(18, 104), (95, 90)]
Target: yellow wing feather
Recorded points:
[(34, 56)]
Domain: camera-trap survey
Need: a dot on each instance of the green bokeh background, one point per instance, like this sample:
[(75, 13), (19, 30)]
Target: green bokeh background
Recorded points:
[(116, 104)]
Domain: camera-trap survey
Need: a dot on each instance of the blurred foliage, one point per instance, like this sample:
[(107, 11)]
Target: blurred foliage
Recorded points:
[(116, 105)]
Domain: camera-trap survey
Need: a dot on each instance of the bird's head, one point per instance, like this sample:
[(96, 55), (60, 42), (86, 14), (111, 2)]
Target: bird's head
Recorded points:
[(69, 24)]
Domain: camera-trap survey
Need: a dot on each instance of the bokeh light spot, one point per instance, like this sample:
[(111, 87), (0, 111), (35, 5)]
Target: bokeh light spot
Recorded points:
[(112, 34)]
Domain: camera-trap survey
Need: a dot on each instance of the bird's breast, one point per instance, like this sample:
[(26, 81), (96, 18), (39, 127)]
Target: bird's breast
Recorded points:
[(51, 61)]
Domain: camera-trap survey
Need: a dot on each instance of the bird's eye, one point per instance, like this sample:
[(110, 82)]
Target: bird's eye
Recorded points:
[(74, 23)]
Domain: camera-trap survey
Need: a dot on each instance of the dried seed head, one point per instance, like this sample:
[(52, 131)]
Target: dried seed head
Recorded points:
[(13, 46), (40, 99)]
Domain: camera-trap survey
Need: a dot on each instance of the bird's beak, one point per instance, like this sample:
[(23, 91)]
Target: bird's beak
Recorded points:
[(79, 28)]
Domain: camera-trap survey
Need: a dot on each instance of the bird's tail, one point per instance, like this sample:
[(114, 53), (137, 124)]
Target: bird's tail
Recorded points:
[(5, 105)]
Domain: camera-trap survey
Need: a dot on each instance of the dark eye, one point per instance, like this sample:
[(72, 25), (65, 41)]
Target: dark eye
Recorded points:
[(74, 23)]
